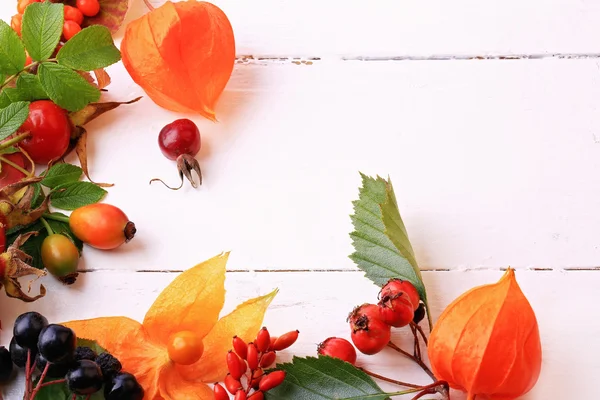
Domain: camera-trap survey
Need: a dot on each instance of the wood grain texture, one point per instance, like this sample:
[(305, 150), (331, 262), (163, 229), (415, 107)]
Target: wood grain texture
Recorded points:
[(317, 305)]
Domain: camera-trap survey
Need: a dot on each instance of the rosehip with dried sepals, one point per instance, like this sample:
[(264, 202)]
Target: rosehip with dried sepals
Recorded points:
[(235, 365), (268, 359), (338, 348), (257, 396), (240, 395), (102, 226), (252, 356), (286, 340), (180, 141), (396, 309), (369, 333), (271, 380), (263, 340), (220, 392), (419, 314), (395, 286), (232, 384), (240, 347)]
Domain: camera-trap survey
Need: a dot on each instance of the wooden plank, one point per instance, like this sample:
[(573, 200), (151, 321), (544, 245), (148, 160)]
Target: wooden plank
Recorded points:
[(494, 164), (388, 28), (317, 305)]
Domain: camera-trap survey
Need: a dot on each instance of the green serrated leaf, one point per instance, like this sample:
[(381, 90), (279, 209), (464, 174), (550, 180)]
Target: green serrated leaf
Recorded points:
[(70, 196), (12, 117), (12, 51), (38, 196), (33, 245), (60, 174), (28, 88), (42, 27), (66, 87), (324, 378), (4, 99), (90, 49), (381, 244)]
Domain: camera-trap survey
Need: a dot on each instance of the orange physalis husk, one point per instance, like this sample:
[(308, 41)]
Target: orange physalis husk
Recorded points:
[(192, 302), (487, 342), (182, 55)]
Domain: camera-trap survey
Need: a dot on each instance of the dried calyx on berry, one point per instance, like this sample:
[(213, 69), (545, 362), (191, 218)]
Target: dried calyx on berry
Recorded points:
[(338, 348), (84, 353), (109, 365), (369, 333)]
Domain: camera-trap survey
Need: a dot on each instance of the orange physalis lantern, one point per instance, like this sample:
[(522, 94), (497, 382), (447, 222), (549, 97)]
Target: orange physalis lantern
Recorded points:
[(487, 342), (182, 55)]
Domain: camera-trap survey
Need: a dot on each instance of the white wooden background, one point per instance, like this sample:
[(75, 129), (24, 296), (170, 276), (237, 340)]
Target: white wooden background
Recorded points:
[(485, 114)]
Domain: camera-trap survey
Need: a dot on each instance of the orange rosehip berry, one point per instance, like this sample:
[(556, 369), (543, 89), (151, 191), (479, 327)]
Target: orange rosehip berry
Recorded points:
[(73, 14), (70, 29)]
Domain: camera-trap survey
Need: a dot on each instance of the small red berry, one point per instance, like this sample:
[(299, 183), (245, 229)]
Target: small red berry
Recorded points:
[(240, 395), (23, 4), (396, 309), (256, 377), (272, 380), (268, 359), (73, 14), (220, 392), (369, 334), (28, 60), (338, 348), (252, 356), (272, 344), (286, 340), (89, 8), (263, 339), (395, 286), (70, 29), (419, 314), (179, 137), (257, 396), (235, 365), (16, 22), (240, 347), (232, 384)]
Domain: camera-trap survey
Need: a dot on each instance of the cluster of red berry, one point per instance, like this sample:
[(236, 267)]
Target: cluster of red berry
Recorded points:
[(73, 16), (247, 379), (371, 324)]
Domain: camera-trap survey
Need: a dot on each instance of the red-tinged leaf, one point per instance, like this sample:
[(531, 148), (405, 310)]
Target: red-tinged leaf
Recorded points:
[(112, 14)]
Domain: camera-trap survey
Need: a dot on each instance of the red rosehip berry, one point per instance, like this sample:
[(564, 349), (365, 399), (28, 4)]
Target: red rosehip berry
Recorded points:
[(338, 348), (235, 365), (268, 359), (257, 396), (73, 14), (252, 356), (271, 381), (232, 384), (220, 392), (396, 309), (240, 395), (286, 340), (395, 286), (70, 29), (263, 339), (240, 347), (369, 333), (89, 8)]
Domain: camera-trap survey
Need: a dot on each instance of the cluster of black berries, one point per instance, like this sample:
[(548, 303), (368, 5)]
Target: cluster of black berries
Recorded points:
[(52, 350)]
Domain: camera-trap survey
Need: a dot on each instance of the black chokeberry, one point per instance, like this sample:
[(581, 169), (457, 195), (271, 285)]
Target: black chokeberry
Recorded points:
[(109, 365), (84, 353), (85, 378), (6, 365), (57, 343), (27, 329), (419, 313), (55, 370), (123, 386), (19, 354)]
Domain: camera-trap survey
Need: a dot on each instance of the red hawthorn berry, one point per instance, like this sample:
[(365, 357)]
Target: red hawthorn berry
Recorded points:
[(263, 339), (220, 392), (271, 381), (369, 333), (286, 340), (396, 285), (268, 359), (240, 347), (338, 348), (396, 309)]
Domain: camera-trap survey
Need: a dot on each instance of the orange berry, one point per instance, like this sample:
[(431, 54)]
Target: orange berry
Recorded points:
[(185, 348), (16, 22), (73, 14), (70, 29), (23, 4), (89, 8), (28, 60)]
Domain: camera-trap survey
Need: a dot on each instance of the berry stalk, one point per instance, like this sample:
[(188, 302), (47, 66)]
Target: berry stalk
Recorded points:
[(38, 387), (390, 380), (416, 360)]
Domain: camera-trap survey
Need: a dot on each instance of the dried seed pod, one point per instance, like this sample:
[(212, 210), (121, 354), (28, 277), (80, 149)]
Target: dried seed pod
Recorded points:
[(487, 342)]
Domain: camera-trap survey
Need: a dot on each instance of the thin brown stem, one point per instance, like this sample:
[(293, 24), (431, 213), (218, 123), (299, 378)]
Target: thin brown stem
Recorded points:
[(53, 383), (28, 375), (434, 388), (149, 5), (417, 345), (40, 382), (390, 380), (419, 328), (416, 360)]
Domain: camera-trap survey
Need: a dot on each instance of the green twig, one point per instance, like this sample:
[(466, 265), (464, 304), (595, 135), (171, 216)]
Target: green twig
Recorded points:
[(15, 166), (14, 140), (15, 76), (47, 226), (56, 217)]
